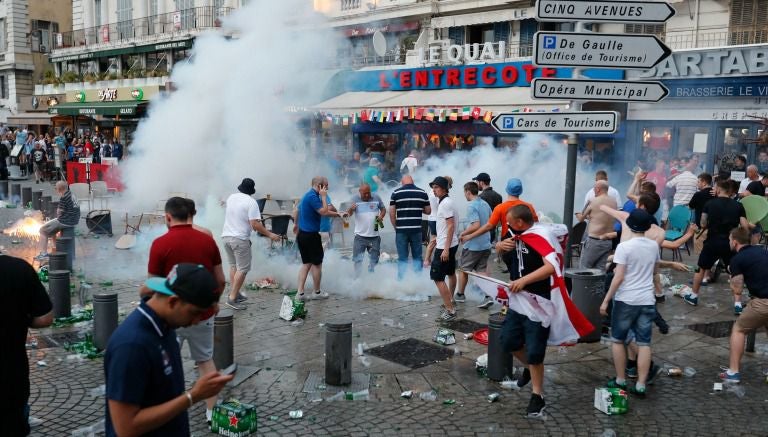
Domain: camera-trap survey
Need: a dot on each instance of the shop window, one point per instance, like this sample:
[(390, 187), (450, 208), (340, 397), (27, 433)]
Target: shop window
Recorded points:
[(733, 143), (748, 22), (480, 34), (657, 144), (692, 140)]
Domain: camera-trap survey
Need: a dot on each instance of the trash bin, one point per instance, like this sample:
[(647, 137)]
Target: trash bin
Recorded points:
[(587, 292), (499, 362)]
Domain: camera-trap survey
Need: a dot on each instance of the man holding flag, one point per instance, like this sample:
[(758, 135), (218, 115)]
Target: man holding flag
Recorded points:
[(541, 312)]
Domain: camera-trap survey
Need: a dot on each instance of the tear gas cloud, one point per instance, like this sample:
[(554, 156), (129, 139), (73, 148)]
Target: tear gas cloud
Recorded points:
[(228, 119)]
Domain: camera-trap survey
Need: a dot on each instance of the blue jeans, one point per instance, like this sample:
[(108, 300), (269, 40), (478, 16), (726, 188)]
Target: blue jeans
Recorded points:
[(632, 318), (405, 241)]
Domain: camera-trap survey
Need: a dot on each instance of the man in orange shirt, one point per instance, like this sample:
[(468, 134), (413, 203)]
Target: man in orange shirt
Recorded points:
[(499, 216)]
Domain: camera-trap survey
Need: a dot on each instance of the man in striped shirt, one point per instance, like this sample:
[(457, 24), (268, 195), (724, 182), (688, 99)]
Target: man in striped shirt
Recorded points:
[(67, 216), (407, 204), (685, 184)]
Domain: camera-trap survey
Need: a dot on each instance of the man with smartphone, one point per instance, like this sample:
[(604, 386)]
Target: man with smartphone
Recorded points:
[(312, 207)]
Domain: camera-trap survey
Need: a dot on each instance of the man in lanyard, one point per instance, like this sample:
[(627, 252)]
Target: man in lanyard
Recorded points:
[(142, 366)]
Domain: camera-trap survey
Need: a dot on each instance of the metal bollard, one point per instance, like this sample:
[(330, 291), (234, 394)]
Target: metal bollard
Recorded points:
[(57, 261), (37, 200), (751, 341), (104, 318), (66, 245), (223, 341), (58, 289), (338, 353), (16, 193), (45, 205), (499, 361), (26, 196), (69, 231), (5, 187), (587, 293)]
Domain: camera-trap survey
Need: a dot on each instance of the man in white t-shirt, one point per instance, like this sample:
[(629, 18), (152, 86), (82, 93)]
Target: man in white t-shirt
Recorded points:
[(409, 164), (634, 307), (444, 258), (752, 175), (241, 216), (602, 175), (369, 213)]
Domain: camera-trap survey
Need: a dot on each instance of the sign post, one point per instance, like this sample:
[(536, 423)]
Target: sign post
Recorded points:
[(606, 50), (604, 11), (598, 90)]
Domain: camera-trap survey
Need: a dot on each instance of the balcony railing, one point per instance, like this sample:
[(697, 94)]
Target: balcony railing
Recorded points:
[(688, 39), (188, 19)]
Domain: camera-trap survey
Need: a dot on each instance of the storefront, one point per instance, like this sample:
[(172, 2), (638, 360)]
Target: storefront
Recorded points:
[(115, 112), (715, 98), (439, 109)]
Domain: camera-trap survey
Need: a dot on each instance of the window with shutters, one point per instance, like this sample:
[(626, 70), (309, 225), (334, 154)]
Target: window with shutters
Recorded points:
[(42, 36), (748, 23), (647, 29)]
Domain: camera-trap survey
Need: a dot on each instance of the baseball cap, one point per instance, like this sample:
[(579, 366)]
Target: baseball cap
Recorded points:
[(514, 187), (440, 182), (192, 283), (247, 186), (639, 220), (483, 177)]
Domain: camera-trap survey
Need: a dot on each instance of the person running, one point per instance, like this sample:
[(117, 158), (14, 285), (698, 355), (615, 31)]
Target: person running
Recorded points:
[(634, 304), (748, 267), (446, 245), (312, 207), (475, 252), (241, 216)]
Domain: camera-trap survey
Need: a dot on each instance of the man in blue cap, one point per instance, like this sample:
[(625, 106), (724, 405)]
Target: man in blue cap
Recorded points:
[(145, 392)]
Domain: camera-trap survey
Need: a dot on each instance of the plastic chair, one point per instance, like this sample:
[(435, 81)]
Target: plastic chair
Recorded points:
[(261, 202), (677, 224), (82, 193), (279, 225), (756, 208), (99, 190)]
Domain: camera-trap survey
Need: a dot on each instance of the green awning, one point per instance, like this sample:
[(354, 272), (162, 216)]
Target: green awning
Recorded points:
[(127, 50), (126, 108)]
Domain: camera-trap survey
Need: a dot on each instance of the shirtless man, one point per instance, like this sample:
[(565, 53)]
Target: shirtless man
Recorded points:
[(597, 246)]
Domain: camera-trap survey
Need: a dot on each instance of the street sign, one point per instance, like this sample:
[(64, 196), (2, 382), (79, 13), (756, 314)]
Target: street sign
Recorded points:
[(598, 90), (560, 122), (598, 50), (603, 11)]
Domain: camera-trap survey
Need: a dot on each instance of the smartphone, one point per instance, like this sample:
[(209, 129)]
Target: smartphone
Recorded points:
[(229, 370)]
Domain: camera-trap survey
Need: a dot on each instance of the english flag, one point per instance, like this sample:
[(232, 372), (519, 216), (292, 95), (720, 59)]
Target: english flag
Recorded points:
[(567, 324)]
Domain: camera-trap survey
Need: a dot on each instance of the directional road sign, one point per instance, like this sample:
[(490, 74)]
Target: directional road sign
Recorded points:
[(598, 50), (603, 11), (560, 122), (598, 90)]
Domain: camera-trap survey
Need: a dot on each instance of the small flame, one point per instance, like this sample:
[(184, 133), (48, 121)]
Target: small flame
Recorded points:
[(28, 227)]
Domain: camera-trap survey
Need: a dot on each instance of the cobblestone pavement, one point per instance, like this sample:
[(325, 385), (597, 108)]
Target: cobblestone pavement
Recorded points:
[(287, 354)]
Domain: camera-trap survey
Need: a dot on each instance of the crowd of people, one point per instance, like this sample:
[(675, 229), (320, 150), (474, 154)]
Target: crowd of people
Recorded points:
[(44, 156), (186, 277)]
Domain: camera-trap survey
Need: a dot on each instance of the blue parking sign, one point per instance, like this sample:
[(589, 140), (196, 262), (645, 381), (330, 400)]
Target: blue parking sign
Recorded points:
[(508, 123), (550, 42)]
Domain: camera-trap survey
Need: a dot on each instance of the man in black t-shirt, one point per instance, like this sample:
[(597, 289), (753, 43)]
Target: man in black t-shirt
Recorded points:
[(524, 338), (757, 187), (719, 216), (38, 161), (31, 308), (749, 266), (491, 197), (701, 197)]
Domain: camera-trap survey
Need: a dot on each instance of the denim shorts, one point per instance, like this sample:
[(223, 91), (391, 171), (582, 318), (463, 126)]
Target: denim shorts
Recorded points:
[(637, 318), (518, 332)]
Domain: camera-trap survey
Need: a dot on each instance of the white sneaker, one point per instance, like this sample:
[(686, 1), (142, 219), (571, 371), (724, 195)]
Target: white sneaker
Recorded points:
[(319, 295), (487, 303), (34, 422)]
